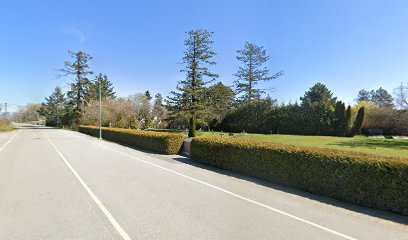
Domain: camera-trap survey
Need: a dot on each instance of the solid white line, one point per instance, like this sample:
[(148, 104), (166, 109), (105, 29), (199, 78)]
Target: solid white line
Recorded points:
[(115, 224), (232, 194), (9, 141)]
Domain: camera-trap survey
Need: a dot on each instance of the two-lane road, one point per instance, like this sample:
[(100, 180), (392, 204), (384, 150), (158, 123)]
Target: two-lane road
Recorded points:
[(58, 184)]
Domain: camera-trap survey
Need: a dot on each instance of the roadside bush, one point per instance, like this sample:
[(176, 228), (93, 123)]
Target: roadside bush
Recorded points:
[(166, 143), (370, 180)]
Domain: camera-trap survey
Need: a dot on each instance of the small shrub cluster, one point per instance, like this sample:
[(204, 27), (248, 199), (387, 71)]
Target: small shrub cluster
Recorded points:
[(370, 180), (166, 143)]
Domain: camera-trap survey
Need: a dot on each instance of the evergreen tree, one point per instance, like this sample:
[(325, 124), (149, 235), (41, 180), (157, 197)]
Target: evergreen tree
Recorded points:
[(318, 102), (53, 109), (148, 95), (158, 111), (382, 98), (106, 88), (363, 96), (348, 121), (252, 71), (80, 86), (340, 118), (220, 100), (190, 92), (358, 123)]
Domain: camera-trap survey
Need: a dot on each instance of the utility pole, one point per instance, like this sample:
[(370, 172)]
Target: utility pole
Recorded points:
[(100, 109)]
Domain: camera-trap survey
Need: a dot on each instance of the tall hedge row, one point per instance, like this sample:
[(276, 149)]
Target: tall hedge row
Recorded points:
[(166, 143), (370, 180)]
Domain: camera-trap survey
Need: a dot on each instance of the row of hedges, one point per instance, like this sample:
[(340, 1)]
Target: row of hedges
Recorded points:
[(166, 143), (370, 180)]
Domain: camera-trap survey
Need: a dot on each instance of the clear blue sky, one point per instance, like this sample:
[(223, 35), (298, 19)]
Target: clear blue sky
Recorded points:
[(346, 44)]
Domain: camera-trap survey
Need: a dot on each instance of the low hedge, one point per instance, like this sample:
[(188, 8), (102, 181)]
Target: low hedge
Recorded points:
[(369, 180), (167, 143)]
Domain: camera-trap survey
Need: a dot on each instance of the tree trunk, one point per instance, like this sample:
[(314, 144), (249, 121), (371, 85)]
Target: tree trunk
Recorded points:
[(192, 127)]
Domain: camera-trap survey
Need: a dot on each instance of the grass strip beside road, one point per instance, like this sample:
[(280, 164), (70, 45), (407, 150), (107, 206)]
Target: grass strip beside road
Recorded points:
[(6, 128)]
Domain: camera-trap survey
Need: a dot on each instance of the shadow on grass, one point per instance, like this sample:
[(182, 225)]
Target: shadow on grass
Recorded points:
[(373, 143)]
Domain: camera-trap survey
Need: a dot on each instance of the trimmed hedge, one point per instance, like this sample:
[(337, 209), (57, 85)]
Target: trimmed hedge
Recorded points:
[(369, 180), (167, 143)]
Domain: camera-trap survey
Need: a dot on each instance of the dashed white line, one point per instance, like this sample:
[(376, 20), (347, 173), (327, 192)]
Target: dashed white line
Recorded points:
[(111, 219), (232, 194)]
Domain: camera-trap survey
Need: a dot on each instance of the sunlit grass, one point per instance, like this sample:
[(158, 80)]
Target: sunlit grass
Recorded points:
[(6, 128), (384, 147)]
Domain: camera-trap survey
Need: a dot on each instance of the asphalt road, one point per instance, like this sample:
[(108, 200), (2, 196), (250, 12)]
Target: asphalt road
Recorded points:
[(58, 184)]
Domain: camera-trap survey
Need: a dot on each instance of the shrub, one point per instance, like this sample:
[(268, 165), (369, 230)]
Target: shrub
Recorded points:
[(359, 121), (370, 180), (167, 143)]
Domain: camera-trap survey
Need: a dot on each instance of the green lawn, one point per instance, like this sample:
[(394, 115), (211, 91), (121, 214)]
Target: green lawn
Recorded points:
[(385, 147)]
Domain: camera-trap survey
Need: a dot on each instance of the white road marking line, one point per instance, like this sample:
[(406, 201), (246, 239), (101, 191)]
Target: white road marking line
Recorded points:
[(115, 224), (232, 194), (9, 141)]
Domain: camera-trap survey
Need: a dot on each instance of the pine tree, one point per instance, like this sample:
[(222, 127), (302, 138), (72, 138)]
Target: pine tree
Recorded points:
[(190, 92), (252, 72), (107, 91), (148, 95), (382, 98), (53, 109), (318, 104), (80, 85), (363, 96)]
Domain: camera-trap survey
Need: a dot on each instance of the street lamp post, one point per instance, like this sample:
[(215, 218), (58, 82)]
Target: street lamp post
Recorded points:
[(100, 110)]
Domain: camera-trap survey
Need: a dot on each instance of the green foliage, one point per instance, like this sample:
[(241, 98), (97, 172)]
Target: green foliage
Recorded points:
[(54, 108), (380, 97), (316, 116), (166, 143), (106, 88), (349, 133), (252, 71), (363, 96), (319, 104), (370, 180), (251, 116), (341, 119), (188, 100), (358, 123), (220, 100), (79, 87)]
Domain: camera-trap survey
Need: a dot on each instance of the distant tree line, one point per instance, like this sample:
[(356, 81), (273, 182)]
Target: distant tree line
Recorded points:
[(319, 113), (202, 101)]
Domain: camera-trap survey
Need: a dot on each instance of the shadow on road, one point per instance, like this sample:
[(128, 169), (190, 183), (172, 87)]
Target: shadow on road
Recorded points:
[(394, 217), (331, 201)]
